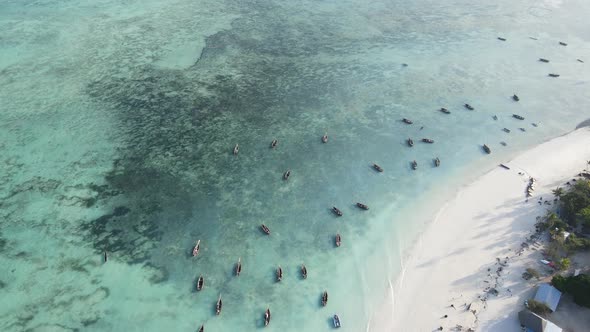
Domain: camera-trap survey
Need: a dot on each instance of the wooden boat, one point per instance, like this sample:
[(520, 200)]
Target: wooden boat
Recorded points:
[(265, 229), (218, 306), (200, 282), (377, 168), (410, 142), (535, 125), (267, 317), (202, 329), (444, 110), (274, 143), (325, 138), (427, 140), (504, 166), (487, 149), (436, 162), (324, 298), (515, 98), (105, 257), (279, 273), (336, 321), (236, 149), (287, 174), (516, 116), (495, 117), (543, 60), (414, 165), (337, 211), (580, 60), (362, 206), (503, 143), (553, 75), (506, 130), (338, 240), (502, 39), (522, 129), (562, 44), (407, 121), (469, 107), (239, 267), (303, 271), (196, 248)]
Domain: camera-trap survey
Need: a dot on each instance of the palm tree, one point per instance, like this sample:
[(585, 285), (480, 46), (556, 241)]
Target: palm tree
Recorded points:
[(558, 192)]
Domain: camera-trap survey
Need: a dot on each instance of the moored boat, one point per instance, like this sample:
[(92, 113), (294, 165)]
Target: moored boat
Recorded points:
[(553, 75), (362, 206), (487, 149), (274, 143), (324, 298), (265, 229), (506, 130), (337, 211), (436, 162), (410, 142), (377, 168), (427, 140), (279, 273), (469, 107), (414, 165), (562, 43), (218, 306), (267, 317), (239, 267), (325, 138), (336, 320), (501, 38), (407, 121), (444, 110), (338, 240), (200, 282), (504, 166), (303, 271), (236, 149), (516, 116), (495, 117), (515, 97), (543, 60), (287, 174), (196, 248)]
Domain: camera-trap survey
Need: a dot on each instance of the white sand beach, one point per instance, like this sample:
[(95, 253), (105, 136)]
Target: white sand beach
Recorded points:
[(455, 259)]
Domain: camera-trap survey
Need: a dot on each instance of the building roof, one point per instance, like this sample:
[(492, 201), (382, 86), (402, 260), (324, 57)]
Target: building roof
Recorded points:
[(549, 295), (536, 323)]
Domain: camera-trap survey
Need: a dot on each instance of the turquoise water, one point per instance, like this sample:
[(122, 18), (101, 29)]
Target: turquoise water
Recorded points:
[(117, 121)]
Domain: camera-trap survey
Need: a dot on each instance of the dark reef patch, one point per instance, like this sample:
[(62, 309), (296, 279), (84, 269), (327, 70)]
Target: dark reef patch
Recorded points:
[(88, 322)]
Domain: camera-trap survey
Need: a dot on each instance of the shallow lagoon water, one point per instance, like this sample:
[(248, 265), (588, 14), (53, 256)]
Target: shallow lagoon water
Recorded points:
[(117, 121)]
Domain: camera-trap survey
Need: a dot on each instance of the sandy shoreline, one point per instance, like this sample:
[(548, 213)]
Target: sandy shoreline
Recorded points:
[(455, 258)]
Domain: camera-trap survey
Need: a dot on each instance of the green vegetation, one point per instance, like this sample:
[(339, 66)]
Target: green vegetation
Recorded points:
[(563, 264), (578, 287), (551, 222), (575, 243), (558, 192), (538, 307), (575, 204), (531, 273)]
